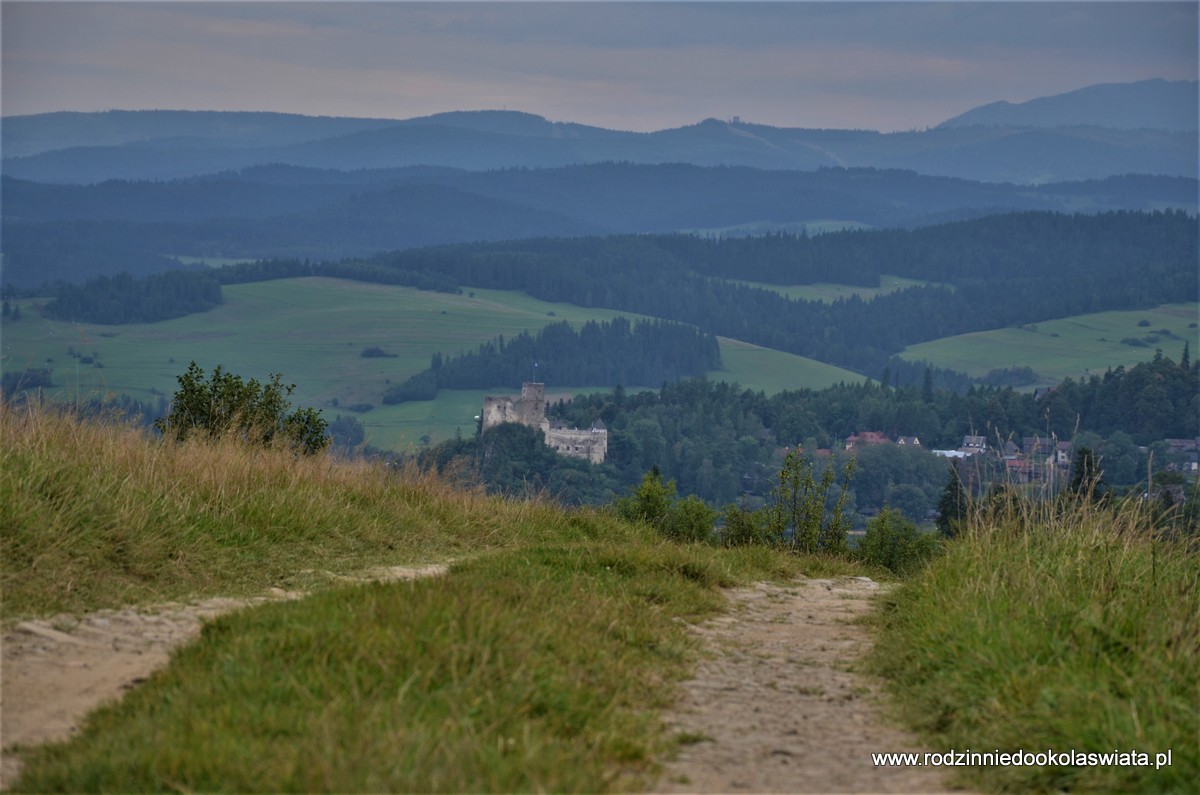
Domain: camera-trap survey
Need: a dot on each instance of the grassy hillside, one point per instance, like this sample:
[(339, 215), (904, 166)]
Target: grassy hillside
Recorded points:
[(314, 330), (467, 682), (1074, 347), (828, 292), (1058, 628)]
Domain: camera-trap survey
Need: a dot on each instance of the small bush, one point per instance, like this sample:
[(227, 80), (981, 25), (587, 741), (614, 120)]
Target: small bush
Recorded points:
[(650, 502), (225, 404), (653, 503), (896, 544), (690, 519), (745, 528)]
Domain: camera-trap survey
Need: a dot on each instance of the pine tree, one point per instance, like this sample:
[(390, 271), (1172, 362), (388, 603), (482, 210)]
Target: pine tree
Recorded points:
[(1086, 475), (952, 507)]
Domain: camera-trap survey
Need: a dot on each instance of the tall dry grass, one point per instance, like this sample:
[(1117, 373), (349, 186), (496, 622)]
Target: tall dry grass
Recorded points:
[(1054, 625), (99, 513)]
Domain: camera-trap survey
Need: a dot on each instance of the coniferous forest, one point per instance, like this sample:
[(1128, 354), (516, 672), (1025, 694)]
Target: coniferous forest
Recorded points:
[(723, 443), (720, 442), (620, 352)]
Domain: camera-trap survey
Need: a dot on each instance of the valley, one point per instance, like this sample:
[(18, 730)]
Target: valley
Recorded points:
[(857, 349), (313, 330)]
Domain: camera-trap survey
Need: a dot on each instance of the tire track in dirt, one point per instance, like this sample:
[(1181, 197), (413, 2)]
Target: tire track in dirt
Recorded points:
[(776, 706), (57, 670)]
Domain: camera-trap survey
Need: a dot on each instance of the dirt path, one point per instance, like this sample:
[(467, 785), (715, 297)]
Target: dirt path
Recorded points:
[(776, 703), (777, 706), (57, 670)]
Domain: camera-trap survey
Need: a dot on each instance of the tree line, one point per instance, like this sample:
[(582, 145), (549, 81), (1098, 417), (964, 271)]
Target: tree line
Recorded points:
[(987, 273), (724, 443), (993, 272), (616, 351), (126, 299)]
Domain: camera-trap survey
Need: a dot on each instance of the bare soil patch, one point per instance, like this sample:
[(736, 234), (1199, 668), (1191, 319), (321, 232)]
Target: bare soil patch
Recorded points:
[(56, 670), (777, 707)]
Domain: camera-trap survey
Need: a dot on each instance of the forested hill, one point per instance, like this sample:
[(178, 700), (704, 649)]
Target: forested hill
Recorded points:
[(616, 352), (988, 273), (721, 443), (76, 232)]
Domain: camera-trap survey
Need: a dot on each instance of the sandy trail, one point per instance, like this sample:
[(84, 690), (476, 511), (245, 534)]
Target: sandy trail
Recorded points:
[(777, 704), (56, 670)]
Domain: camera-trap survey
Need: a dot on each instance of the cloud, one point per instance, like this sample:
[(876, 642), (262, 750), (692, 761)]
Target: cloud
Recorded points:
[(625, 65)]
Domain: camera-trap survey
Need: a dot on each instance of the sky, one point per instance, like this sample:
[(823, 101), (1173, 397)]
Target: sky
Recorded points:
[(630, 66)]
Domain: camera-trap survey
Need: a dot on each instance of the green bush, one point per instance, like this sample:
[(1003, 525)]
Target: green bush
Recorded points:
[(225, 404), (690, 519), (653, 503), (895, 543), (800, 507), (650, 502), (745, 528)]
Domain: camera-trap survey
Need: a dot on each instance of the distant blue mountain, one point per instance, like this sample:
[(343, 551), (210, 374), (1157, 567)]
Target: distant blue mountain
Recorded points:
[(1148, 104), (1093, 133)]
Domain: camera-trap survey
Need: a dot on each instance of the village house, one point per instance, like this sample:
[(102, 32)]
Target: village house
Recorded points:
[(971, 445), (1186, 454), (866, 437)]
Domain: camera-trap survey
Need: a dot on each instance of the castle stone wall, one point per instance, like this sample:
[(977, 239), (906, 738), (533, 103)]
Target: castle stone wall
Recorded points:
[(530, 410)]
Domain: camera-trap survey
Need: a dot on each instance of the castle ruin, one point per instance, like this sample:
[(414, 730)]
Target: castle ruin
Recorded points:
[(530, 410)]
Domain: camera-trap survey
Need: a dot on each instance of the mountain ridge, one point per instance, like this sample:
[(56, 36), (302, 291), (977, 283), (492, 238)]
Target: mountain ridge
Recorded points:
[(164, 145), (1146, 104)]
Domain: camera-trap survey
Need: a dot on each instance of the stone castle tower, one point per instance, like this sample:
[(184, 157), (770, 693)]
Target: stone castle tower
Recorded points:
[(530, 410)]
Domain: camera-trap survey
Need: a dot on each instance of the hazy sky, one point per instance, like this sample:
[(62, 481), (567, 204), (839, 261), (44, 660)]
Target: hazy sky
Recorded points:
[(632, 65)]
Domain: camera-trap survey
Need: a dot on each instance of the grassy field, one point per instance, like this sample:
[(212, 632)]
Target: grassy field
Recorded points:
[(1074, 347), (828, 292), (462, 683), (1053, 627), (753, 228), (313, 331)]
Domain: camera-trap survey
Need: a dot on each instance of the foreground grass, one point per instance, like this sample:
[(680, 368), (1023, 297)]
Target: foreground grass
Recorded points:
[(1041, 631), (97, 515), (540, 662), (540, 669)]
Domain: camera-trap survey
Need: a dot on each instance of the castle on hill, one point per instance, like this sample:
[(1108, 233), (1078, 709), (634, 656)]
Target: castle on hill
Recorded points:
[(530, 410)]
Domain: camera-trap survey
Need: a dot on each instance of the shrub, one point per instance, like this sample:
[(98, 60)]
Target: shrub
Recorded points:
[(650, 502), (690, 519), (744, 528), (895, 543), (654, 503), (800, 504), (225, 404)]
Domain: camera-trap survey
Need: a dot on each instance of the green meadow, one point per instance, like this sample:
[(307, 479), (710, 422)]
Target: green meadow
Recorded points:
[(314, 330), (1072, 347), (754, 228), (828, 292)]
